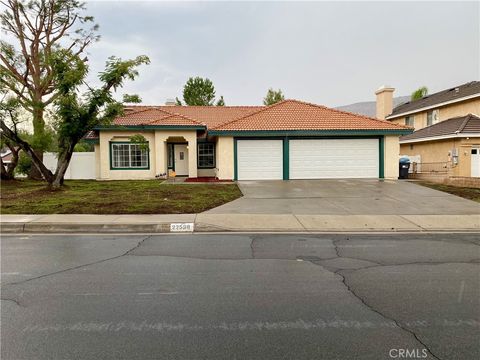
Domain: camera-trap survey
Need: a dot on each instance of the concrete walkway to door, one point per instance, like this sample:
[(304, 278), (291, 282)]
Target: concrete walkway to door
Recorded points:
[(344, 197)]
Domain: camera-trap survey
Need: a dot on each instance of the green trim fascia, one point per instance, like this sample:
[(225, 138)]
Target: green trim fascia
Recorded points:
[(286, 158), (381, 155), (149, 127), (129, 168), (235, 162), (92, 141), (310, 132)]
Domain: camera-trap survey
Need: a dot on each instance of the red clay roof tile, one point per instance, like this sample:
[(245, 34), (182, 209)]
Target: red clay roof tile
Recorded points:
[(298, 115), (285, 115)]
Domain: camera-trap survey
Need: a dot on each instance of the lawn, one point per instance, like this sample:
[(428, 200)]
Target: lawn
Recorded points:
[(464, 192), (113, 197)]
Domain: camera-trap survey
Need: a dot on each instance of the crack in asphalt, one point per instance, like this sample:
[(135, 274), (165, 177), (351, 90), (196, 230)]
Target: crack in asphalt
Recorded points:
[(78, 266), (16, 302), (252, 247), (313, 260), (370, 307)]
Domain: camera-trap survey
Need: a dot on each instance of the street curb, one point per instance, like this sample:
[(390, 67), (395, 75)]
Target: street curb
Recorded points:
[(83, 228), (159, 228)]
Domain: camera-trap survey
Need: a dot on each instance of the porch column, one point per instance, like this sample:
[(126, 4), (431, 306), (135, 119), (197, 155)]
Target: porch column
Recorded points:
[(192, 155), (160, 153)]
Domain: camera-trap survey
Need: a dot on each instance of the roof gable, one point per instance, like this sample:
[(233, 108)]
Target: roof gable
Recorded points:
[(154, 117), (209, 116), (291, 115)]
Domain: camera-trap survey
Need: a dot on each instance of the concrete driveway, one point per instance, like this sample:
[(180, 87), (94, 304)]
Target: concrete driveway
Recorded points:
[(344, 197)]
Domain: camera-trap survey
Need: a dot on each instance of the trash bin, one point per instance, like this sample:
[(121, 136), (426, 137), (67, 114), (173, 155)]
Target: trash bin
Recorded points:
[(404, 165)]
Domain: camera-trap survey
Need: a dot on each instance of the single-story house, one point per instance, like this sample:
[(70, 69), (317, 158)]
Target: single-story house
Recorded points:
[(288, 140), (454, 142)]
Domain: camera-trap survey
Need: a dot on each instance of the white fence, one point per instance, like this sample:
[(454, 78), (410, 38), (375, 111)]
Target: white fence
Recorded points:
[(82, 165)]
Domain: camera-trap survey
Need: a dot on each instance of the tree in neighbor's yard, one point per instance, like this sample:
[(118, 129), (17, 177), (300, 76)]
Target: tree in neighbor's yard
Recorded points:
[(77, 114), (199, 91), (35, 31), (419, 93), (273, 97)]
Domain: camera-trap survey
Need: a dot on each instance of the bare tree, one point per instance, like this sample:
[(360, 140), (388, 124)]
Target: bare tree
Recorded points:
[(35, 31)]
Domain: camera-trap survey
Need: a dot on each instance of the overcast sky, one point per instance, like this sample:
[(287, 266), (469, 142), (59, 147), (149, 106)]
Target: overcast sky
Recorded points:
[(322, 52)]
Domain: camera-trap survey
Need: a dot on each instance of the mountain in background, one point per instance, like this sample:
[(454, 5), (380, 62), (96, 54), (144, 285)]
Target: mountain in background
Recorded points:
[(368, 108)]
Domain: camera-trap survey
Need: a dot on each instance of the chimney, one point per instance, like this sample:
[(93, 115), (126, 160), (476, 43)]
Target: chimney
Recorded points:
[(384, 101), (170, 102)]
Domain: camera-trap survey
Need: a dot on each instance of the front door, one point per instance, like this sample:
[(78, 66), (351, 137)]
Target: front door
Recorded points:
[(181, 160), (475, 162)]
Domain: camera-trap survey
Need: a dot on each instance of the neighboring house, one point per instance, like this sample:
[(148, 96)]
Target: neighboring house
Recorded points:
[(454, 142), (431, 109), (7, 156), (288, 140), (447, 136)]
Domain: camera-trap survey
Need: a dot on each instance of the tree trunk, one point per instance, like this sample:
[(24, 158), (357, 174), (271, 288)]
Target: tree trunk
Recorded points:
[(42, 169), (4, 173), (64, 158), (39, 134)]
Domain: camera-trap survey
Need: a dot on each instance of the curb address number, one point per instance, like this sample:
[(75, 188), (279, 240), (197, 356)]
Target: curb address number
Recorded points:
[(181, 227)]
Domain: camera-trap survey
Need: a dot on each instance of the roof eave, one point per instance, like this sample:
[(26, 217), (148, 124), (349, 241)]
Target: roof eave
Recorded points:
[(441, 137), (430, 107), (337, 132)]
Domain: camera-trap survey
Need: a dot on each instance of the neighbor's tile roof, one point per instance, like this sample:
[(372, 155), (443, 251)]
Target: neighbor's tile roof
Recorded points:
[(469, 124), (210, 116), (298, 115), (457, 92)]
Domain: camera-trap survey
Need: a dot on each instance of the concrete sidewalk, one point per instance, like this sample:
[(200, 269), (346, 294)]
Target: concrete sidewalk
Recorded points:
[(207, 222)]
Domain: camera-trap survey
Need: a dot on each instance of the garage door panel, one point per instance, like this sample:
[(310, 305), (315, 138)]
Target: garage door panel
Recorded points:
[(334, 158), (260, 159)]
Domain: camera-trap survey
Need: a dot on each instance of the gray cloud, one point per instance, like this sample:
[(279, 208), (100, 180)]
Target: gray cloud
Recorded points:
[(327, 53)]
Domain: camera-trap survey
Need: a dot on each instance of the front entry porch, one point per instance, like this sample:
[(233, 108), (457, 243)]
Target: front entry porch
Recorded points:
[(177, 154)]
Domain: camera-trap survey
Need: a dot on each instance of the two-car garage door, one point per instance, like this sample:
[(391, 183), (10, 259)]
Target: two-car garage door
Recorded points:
[(308, 159)]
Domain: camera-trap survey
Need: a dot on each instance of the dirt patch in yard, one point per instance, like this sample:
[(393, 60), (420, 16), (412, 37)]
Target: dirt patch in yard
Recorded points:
[(464, 192), (113, 197)]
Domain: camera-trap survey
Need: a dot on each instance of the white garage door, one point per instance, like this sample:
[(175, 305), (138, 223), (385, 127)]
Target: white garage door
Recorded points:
[(260, 159), (333, 159)]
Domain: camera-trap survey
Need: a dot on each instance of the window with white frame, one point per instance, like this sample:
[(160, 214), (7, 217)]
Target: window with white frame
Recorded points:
[(129, 156), (206, 155), (410, 121)]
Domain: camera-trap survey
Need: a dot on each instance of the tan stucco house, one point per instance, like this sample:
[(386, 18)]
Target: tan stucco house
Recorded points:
[(455, 142), (431, 109), (288, 140), (447, 131)]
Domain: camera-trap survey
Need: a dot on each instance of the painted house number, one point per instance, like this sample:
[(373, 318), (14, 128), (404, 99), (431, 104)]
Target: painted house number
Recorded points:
[(181, 227)]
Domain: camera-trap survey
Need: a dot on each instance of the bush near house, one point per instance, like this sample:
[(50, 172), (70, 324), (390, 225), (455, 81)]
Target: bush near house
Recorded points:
[(113, 197)]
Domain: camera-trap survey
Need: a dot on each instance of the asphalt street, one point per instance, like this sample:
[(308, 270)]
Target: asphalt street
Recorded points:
[(238, 296)]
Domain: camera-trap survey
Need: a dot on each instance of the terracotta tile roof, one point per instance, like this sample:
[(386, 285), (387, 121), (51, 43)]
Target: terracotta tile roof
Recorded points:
[(154, 116), (469, 124), (469, 89), (208, 115), (298, 115)]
